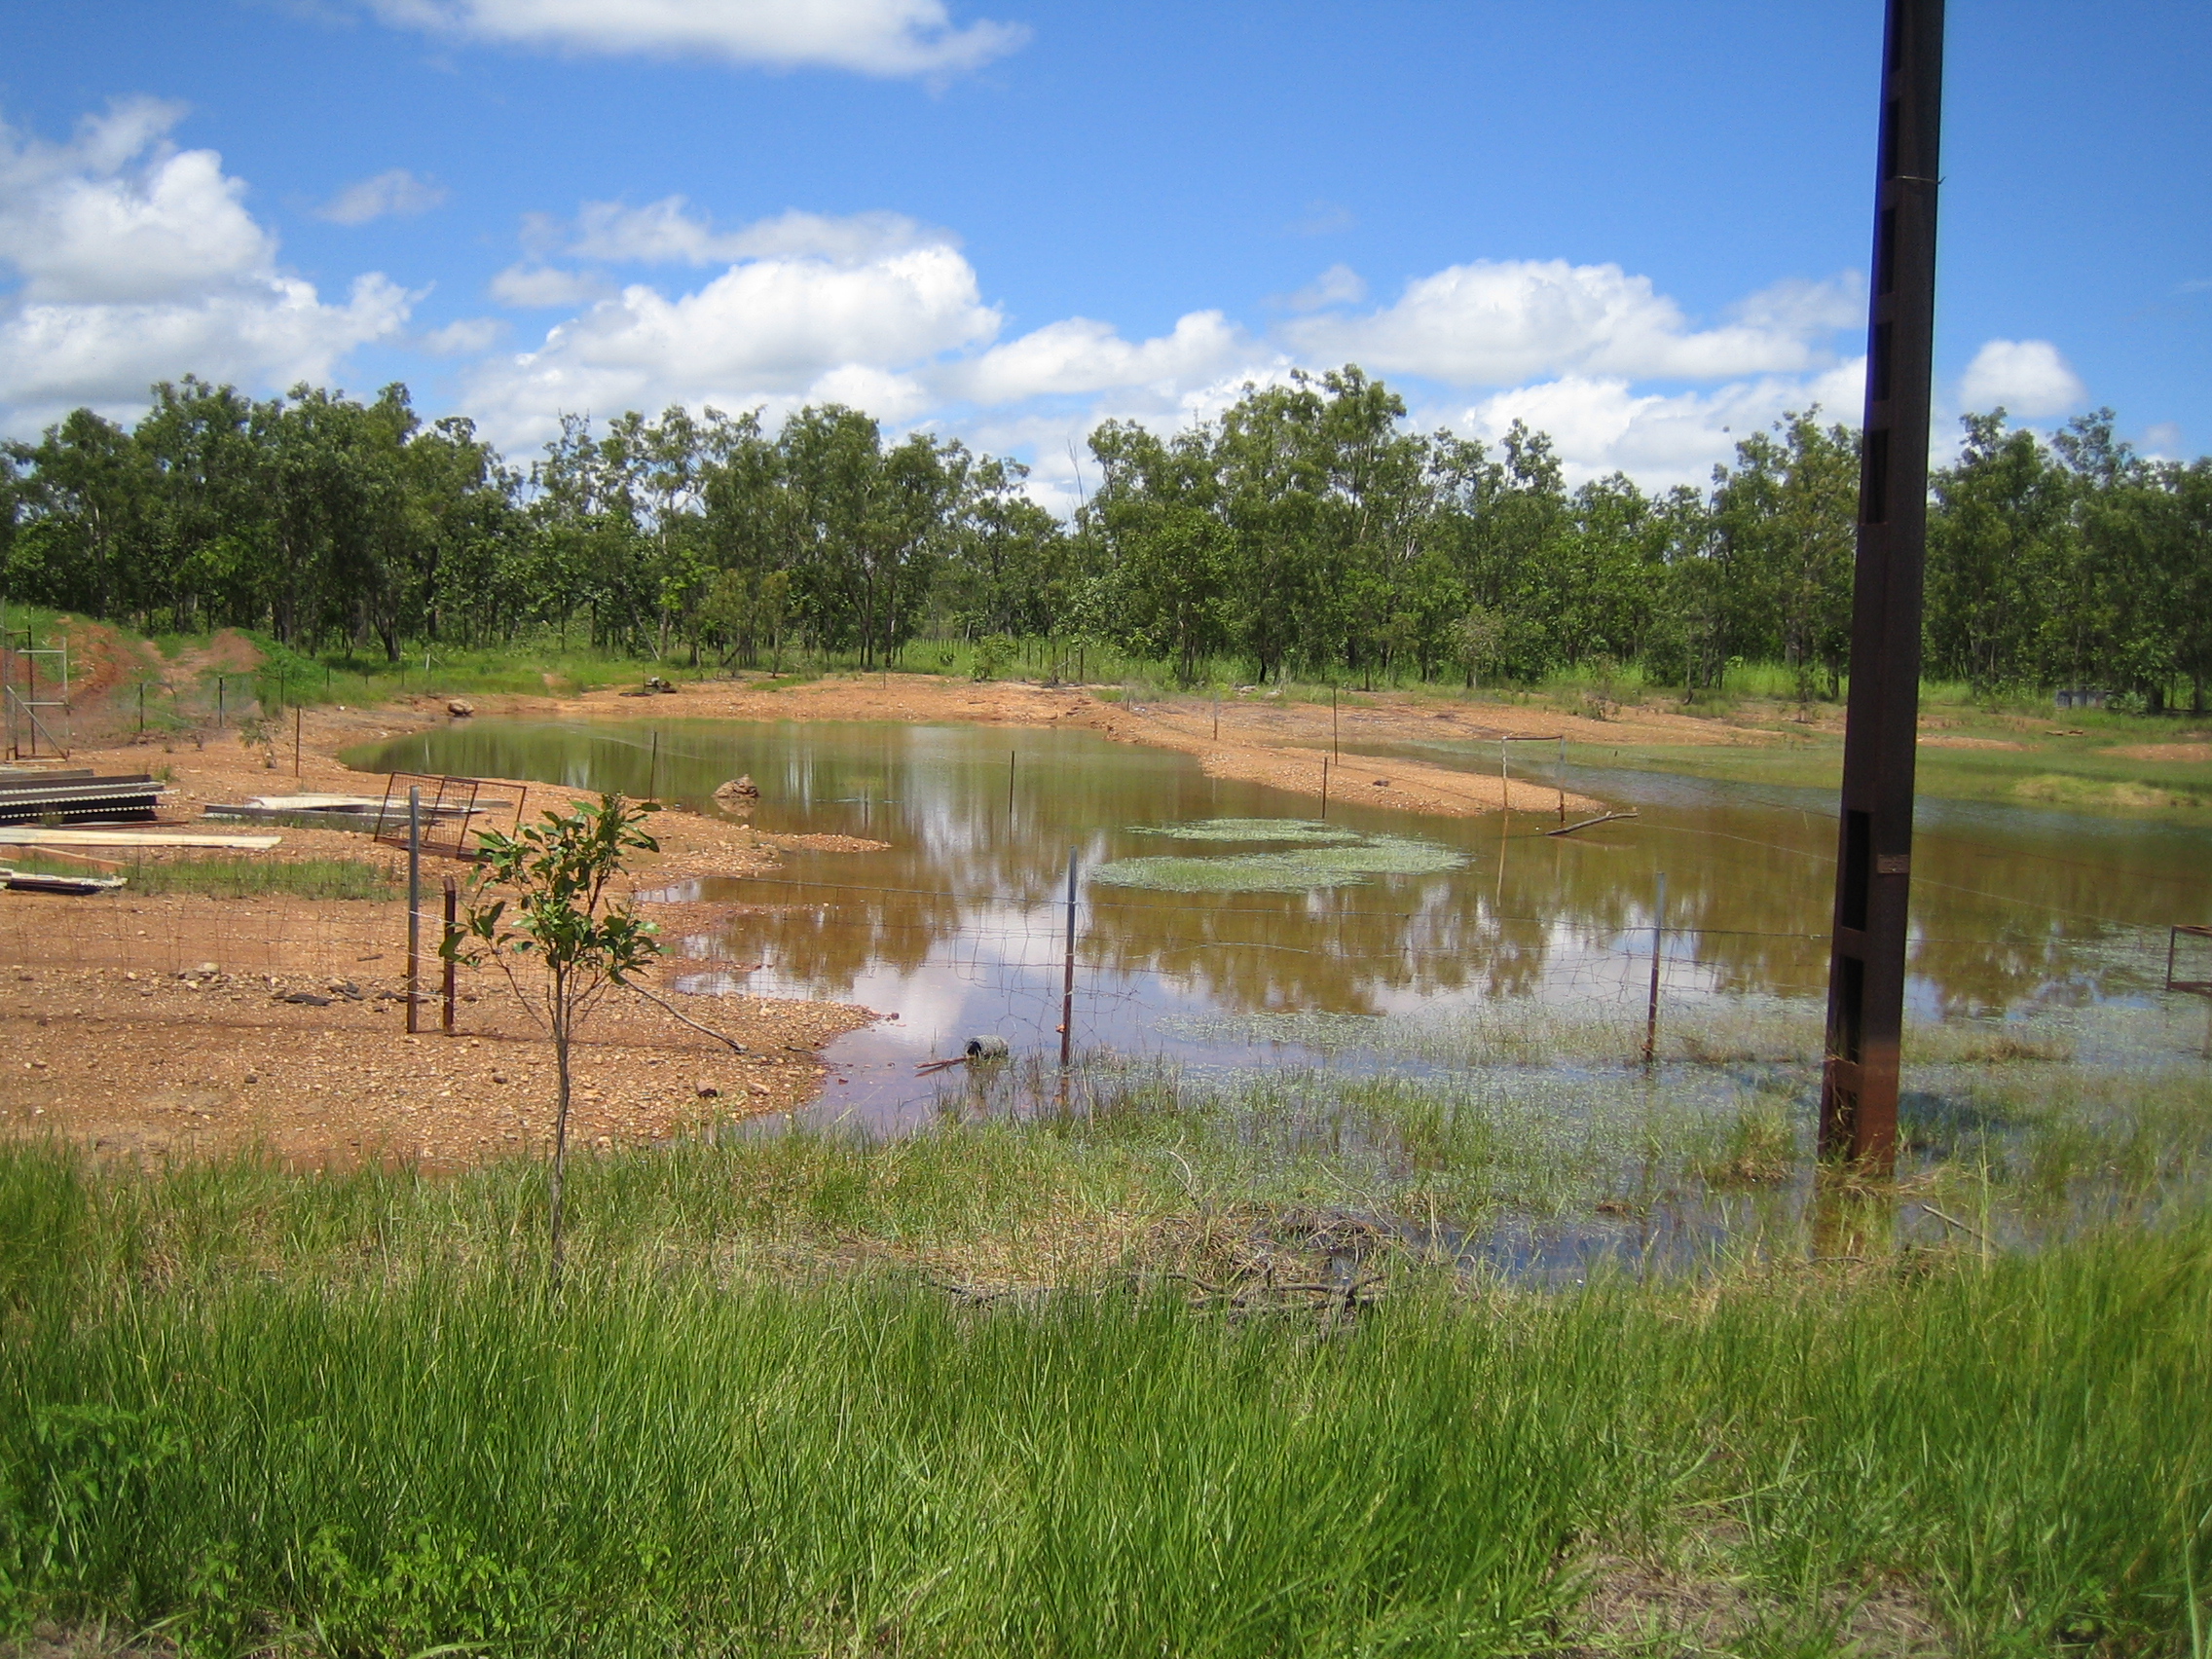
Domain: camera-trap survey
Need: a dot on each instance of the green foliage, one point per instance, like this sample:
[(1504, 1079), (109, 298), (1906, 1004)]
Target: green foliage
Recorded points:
[(559, 870), (557, 873), (2072, 563), (990, 658), (1306, 532)]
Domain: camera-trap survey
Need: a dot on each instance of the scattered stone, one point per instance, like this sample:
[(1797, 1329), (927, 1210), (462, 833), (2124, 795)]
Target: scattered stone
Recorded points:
[(461, 710), (304, 998), (739, 788), (708, 1091)]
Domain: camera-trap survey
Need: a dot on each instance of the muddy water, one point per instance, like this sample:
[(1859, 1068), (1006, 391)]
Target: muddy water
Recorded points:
[(958, 930)]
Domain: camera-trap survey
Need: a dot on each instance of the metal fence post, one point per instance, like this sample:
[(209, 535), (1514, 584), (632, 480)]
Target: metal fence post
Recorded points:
[(414, 903), (1658, 949), (1067, 979), (446, 952)]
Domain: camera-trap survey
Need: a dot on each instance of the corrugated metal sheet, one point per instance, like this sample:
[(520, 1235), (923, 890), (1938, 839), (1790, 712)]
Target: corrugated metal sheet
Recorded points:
[(38, 797)]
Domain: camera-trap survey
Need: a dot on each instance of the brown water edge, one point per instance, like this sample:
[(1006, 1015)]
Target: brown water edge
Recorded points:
[(956, 927)]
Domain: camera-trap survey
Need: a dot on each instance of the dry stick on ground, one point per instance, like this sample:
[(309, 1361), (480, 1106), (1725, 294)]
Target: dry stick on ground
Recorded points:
[(677, 1013)]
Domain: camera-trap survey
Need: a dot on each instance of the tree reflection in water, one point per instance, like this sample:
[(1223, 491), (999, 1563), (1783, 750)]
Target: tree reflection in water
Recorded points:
[(957, 927)]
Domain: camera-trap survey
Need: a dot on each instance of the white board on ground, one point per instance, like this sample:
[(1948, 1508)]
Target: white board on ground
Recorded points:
[(38, 835)]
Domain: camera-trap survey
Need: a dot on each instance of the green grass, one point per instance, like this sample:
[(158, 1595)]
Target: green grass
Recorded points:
[(236, 877), (346, 1413), (2075, 773)]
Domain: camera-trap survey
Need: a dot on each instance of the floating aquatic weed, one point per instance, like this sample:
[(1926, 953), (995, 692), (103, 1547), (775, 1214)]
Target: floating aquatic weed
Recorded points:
[(1282, 873), (1307, 831)]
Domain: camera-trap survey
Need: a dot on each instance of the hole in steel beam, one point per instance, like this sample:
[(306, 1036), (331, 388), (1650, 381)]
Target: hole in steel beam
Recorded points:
[(1858, 861), (1886, 253), (1847, 1041), (1874, 488), (1878, 371)]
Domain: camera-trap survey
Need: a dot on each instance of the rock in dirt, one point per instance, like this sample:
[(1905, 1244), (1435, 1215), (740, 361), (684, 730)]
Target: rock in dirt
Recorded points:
[(739, 788), (461, 710)]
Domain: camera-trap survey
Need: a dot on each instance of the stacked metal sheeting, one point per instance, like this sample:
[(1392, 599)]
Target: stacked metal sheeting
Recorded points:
[(66, 797)]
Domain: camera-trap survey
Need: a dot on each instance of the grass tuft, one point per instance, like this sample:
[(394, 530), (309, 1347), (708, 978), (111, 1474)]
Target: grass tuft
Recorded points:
[(348, 1412)]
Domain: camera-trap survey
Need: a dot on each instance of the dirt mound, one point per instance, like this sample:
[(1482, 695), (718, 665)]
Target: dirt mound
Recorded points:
[(2164, 751)]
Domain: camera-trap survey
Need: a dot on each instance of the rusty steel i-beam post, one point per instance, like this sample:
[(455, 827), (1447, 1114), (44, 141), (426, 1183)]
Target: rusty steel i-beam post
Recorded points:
[(1859, 1086)]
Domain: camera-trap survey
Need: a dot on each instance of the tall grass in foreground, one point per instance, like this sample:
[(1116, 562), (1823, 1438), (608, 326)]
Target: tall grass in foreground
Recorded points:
[(347, 1410)]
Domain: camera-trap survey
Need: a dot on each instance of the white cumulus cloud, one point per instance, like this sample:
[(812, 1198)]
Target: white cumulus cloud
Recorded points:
[(767, 331), (1602, 425), (1496, 322), (395, 193), (2028, 377), (1081, 354), (138, 262), (872, 37), (465, 337), (533, 287), (2163, 441), (667, 233), (1339, 285)]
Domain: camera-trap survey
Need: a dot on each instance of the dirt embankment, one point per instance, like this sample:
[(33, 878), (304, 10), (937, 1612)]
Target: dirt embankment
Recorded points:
[(1253, 737), (173, 1023)]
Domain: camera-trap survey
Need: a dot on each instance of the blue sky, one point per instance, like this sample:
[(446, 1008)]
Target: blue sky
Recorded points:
[(1642, 227)]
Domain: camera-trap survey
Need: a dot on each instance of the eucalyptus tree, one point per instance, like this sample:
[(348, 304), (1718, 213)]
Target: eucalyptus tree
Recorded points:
[(1784, 517), (203, 549), (1166, 572), (1518, 520), (87, 485), (1009, 567), (1996, 546), (2189, 527)]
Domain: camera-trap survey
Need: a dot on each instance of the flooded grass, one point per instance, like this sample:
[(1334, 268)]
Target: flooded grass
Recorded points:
[(1294, 871), (1294, 829), (344, 1413)]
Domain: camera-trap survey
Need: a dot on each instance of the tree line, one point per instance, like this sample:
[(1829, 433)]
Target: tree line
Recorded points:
[(1308, 531)]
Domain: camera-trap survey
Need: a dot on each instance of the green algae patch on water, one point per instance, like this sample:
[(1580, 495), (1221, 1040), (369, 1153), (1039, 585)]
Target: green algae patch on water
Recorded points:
[(1305, 832), (1295, 872)]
